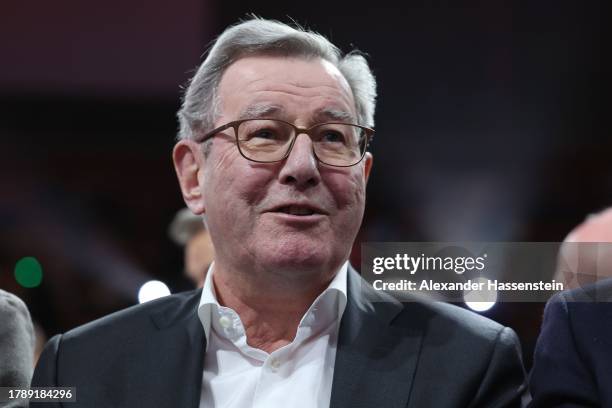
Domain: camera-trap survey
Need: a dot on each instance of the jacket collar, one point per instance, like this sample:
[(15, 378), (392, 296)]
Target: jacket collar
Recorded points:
[(375, 360), (180, 352)]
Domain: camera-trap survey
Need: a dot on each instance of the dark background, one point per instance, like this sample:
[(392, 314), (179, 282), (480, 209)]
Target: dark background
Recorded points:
[(489, 128)]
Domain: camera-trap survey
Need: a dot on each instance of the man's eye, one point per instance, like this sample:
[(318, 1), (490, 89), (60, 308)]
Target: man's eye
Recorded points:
[(332, 136), (265, 134)]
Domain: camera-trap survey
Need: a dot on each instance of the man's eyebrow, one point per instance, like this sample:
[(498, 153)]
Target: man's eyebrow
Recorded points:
[(265, 110), (260, 111), (334, 115)]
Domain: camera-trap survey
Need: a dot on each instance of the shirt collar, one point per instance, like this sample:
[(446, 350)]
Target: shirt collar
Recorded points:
[(333, 299)]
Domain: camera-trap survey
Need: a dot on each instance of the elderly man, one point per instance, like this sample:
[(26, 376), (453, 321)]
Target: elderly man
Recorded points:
[(272, 152)]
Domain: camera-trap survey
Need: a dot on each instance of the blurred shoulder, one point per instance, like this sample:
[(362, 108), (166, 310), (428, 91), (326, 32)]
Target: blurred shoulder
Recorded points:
[(11, 305), (600, 291), (14, 316)]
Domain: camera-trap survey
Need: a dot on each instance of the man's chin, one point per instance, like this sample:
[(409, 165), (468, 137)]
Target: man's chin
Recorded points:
[(298, 262), (296, 257)]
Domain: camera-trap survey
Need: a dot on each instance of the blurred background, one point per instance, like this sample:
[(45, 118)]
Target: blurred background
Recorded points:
[(490, 127)]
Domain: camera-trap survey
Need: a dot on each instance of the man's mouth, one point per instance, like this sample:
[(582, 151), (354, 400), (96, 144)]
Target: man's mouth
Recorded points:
[(299, 210), (296, 210)]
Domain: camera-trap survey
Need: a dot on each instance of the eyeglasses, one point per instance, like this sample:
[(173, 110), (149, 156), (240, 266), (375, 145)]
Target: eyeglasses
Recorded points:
[(271, 140)]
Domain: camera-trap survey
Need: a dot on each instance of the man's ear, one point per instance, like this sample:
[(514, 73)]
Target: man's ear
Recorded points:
[(188, 161), (367, 167)]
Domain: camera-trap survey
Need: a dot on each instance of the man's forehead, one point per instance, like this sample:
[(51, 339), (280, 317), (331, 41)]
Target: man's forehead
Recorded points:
[(252, 81), (260, 66)]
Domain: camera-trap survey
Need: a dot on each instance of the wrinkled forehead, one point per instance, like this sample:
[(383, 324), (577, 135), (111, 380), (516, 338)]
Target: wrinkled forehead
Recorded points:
[(257, 86)]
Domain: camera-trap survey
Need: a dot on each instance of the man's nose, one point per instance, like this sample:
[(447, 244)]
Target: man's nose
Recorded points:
[(301, 168)]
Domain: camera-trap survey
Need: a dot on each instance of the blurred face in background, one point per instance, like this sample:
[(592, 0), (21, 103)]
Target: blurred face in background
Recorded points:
[(199, 254), (586, 254)]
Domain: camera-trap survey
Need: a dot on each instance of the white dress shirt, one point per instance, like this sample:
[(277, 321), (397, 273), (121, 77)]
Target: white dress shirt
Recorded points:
[(296, 375)]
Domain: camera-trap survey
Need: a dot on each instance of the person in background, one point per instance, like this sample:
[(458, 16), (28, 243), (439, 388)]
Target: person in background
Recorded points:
[(573, 356), (16, 345), (41, 340), (188, 230), (585, 256)]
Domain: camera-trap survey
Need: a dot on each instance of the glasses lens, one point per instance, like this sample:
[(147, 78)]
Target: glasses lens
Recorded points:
[(339, 144), (264, 140)]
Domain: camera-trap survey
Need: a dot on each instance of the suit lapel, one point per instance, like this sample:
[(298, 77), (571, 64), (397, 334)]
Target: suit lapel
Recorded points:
[(177, 357), (375, 361)]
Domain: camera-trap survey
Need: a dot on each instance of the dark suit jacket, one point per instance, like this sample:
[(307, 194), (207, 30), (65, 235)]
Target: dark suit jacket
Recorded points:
[(573, 357), (389, 355)]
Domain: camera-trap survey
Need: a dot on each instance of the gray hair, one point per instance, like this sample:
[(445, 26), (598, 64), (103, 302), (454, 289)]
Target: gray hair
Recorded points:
[(257, 36)]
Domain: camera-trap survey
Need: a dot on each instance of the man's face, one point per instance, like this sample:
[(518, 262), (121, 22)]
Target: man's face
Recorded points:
[(296, 215)]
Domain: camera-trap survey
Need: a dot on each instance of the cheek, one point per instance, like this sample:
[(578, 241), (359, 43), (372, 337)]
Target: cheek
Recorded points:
[(348, 192), (233, 186)]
